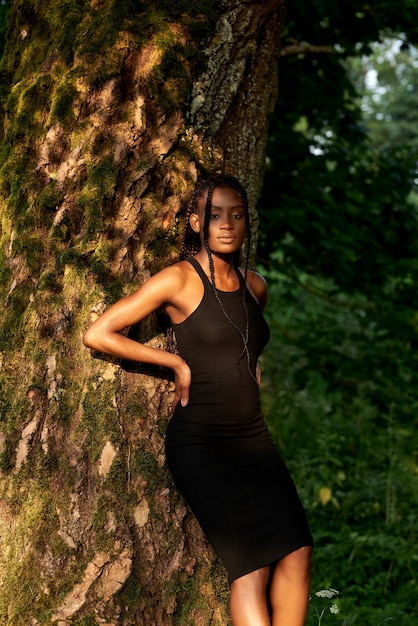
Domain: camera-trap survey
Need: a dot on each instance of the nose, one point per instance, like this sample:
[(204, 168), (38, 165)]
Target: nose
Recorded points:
[(227, 222)]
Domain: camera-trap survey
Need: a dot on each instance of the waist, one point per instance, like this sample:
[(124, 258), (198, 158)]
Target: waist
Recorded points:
[(190, 431), (224, 396)]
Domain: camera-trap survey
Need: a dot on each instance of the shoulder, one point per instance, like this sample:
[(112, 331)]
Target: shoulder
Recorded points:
[(160, 288), (173, 283), (172, 276), (257, 286)]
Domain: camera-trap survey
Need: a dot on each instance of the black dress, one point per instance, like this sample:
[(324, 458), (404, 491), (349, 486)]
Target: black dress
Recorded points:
[(218, 447)]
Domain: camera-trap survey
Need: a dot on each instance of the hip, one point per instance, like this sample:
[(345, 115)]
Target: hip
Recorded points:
[(219, 434)]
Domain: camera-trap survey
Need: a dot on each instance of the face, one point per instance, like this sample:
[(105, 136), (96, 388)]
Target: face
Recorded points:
[(227, 228)]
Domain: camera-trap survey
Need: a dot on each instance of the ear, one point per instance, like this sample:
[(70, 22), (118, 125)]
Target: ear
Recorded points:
[(194, 222)]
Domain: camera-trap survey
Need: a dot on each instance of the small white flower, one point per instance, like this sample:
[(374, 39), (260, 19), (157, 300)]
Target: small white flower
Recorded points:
[(334, 609), (326, 593)]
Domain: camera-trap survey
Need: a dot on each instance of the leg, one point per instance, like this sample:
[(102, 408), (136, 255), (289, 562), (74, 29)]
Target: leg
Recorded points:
[(289, 592), (248, 599)]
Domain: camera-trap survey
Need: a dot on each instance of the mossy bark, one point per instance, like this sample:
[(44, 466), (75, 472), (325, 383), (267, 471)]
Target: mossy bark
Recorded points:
[(110, 109)]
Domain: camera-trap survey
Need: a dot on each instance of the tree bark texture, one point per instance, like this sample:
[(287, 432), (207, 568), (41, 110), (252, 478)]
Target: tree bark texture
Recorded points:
[(110, 110)]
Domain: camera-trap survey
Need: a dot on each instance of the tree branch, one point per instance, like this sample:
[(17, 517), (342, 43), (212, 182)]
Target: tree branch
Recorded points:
[(305, 48)]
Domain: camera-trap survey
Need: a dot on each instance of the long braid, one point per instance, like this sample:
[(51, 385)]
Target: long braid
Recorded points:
[(191, 245), (234, 183)]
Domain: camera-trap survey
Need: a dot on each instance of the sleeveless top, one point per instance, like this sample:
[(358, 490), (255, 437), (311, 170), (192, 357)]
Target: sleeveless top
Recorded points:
[(222, 392)]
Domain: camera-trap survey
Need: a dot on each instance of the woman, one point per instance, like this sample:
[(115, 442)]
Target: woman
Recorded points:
[(218, 448)]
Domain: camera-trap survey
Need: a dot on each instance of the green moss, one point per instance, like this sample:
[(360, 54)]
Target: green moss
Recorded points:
[(99, 30), (114, 290), (26, 108), (98, 263), (11, 324), (50, 197), (50, 280), (60, 233), (5, 274), (65, 17), (23, 590), (101, 259), (129, 596), (99, 187), (34, 100), (96, 37), (9, 453), (102, 147), (100, 268), (103, 175), (116, 498), (103, 540), (73, 256), (10, 402), (135, 407), (6, 79), (32, 248), (117, 480), (100, 417), (98, 33), (189, 600), (81, 257), (12, 101), (62, 108), (86, 620), (14, 178), (170, 81), (25, 54), (144, 464), (77, 256), (163, 243), (7, 400), (67, 400), (23, 547), (26, 222), (6, 460)]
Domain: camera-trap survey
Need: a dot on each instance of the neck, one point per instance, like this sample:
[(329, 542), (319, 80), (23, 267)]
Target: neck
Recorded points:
[(223, 275), (223, 264)]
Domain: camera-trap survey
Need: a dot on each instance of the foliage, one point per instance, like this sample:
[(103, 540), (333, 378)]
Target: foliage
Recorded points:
[(390, 95), (338, 241), (340, 401)]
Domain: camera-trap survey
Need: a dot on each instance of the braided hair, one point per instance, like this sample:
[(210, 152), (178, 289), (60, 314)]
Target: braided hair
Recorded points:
[(192, 242)]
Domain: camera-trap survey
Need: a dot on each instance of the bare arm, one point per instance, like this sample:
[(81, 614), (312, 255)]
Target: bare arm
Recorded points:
[(104, 334), (258, 287)]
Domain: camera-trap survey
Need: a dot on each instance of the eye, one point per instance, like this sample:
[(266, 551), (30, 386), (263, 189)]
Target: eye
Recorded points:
[(238, 216), (214, 216)]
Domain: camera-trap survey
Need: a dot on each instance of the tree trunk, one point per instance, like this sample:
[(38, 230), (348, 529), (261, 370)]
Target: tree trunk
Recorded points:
[(110, 111)]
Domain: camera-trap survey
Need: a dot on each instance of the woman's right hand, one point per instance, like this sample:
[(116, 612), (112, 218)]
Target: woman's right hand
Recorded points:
[(182, 380)]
